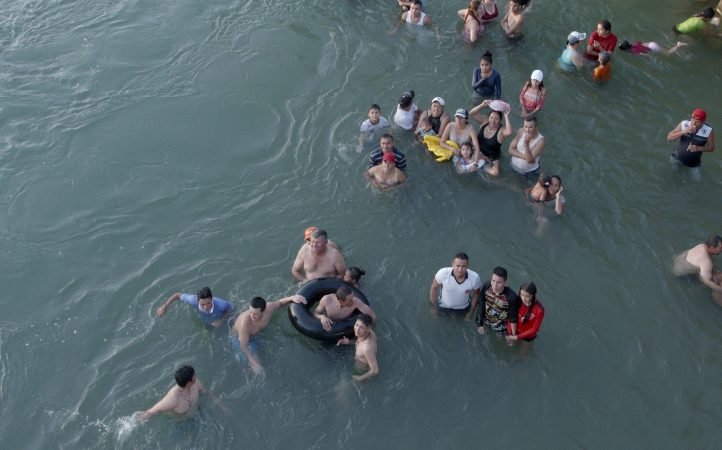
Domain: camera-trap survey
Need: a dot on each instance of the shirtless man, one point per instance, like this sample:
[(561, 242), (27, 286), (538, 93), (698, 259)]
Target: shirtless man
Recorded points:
[(514, 19), (251, 322), (318, 260), (307, 239), (340, 306), (387, 175), (181, 398), (365, 347), (698, 261)]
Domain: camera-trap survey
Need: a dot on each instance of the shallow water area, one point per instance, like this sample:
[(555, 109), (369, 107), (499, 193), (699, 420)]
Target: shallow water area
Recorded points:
[(147, 149)]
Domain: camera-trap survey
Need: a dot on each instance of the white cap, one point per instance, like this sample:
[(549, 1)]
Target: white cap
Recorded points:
[(537, 75), (438, 100), (576, 36)]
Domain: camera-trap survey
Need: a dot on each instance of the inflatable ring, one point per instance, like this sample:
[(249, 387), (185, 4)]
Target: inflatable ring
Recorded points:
[(302, 318), (433, 144)]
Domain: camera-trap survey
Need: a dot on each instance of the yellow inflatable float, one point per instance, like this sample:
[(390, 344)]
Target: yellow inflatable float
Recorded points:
[(433, 144)]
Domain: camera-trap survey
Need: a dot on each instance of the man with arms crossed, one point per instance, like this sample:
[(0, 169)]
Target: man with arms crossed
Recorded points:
[(459, 287), (250, 323), (365, 347), (318, 260)]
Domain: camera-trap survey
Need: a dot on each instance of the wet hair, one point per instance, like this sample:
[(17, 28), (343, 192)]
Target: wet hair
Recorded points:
[(416, 2), (498, 113), (258, 303), (407, 98), (605, 24), (376, 107), (500, 272), (356, 273), (532, 119), (713, 241), (706, 13), (625, 45), (604, 57), (486, 57), (205, 293), (545, 180), (471, 10), (319, 233), (557, 177), (462, 256), (365, 319), (342, 292), (531, 289), (387, 136), (184, 375)]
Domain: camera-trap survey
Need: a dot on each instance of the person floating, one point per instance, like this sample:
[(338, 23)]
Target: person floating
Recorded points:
[(365, 347), (244, 334), (647, 48), (702, 22), (211, 310)]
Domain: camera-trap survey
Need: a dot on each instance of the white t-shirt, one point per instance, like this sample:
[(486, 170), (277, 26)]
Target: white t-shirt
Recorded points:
[(369, 128), (455, 295)]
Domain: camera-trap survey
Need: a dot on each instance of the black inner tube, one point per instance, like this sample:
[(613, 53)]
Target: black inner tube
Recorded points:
[(302, 317)]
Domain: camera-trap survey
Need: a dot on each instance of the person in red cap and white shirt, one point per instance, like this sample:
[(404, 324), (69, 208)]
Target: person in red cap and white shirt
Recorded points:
[(695, 137)]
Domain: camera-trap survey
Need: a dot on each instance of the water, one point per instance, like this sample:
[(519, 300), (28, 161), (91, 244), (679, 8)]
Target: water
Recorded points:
[(153, 148)]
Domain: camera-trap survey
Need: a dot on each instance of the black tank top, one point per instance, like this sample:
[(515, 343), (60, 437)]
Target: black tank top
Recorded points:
[(435, 122), (491, 148)]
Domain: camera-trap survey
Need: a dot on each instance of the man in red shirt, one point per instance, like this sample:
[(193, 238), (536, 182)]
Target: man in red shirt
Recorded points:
[(602, 40)]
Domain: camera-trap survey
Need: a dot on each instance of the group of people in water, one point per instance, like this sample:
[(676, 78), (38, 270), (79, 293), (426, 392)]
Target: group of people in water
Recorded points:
[(493, 305)]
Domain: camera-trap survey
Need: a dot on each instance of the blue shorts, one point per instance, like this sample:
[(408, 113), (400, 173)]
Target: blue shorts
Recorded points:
[(254, 344)]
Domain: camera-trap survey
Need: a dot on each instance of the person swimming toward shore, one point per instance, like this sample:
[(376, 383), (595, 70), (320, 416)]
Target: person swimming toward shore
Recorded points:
[(644, 48)]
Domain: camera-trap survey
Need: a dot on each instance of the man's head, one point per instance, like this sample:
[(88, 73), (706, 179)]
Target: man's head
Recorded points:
[(714, 244), (308, 233), (319, 240), (415, 7), (258, 305), (604, 28), (460, 264), (205, 299), (374, 113), (387, 143), (498, 279), (184, 375), (530, 124), (362, 327), (344, 296), (699, 116)]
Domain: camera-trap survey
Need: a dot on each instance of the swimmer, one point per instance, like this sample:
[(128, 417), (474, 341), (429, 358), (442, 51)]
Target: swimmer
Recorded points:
[(645, 48), (414, 15), (533, 94), (353, 276), (181, 398), (603, 72), (455, 288), (365, 347), (703, 21), (250, 323), (514, 19), (472, 21), (373, 125), (318, 259), (211, 310), (465, 163), (571, 57), (308, 234), (340, 306), (387, 175), (386, 145), (425, 128), (602, 40), (698, 261), (531, 315)]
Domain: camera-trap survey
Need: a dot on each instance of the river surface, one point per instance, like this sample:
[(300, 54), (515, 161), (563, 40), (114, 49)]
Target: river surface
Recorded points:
[(148, 148)]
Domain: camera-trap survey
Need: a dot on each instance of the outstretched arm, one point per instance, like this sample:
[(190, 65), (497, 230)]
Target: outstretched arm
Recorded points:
[(164, 307), (167, 403), (365, 309), (273, 306)]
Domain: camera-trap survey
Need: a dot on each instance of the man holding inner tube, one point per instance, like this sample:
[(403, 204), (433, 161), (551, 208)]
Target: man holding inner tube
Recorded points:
[(340, 306), (318, 260), (247, 326)]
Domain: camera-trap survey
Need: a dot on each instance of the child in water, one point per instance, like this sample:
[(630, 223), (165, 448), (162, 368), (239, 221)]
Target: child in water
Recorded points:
[(425, 128), (649, 47), (375, 123), (603, 72), (702, 21), (465, 163)]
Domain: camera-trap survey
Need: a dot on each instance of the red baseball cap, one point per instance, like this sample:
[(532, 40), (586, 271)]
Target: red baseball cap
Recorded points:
[(389, 157), (699, 114)]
